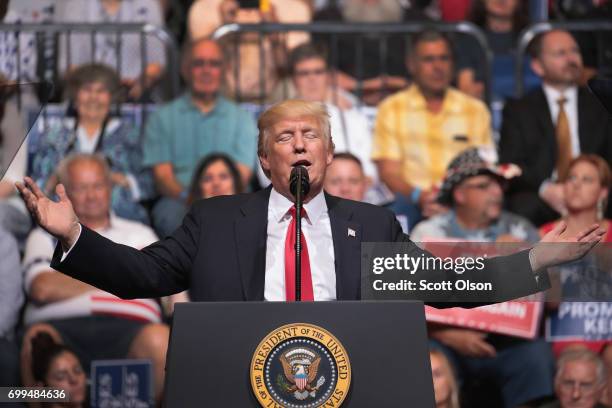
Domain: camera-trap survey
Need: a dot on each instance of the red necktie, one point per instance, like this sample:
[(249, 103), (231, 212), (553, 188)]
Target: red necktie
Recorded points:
[(307, 293)]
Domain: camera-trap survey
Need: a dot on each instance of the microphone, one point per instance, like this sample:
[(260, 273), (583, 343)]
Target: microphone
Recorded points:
[(299, 185), (299, 176)]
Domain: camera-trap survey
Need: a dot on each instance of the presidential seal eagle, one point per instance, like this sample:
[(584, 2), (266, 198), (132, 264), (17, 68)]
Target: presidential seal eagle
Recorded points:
[(300, 366)]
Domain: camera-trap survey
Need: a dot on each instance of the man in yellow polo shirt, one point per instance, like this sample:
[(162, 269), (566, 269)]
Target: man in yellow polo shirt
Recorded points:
[(420, 129)]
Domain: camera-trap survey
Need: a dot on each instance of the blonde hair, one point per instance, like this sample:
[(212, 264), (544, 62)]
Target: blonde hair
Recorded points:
[(450, 375), (292, 109), (603, 169)]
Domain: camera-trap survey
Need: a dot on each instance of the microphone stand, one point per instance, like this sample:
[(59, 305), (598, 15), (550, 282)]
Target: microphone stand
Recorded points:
[(299, 185), (298, 240)]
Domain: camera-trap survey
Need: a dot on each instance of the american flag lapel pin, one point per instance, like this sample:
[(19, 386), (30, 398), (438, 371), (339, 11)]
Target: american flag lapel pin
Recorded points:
[(351, 232)]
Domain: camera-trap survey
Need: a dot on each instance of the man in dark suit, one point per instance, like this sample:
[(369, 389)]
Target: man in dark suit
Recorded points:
[(543, 130), (239, 247)]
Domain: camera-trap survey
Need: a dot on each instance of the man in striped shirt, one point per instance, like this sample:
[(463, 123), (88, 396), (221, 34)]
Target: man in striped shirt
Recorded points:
[(94, 323)]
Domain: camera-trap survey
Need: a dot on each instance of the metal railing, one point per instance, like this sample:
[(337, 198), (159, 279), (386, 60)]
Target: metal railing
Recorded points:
[(359, 30), (60, 35), (529, 33)]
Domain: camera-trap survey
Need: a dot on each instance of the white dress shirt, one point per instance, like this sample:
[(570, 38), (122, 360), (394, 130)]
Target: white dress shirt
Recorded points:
[(316, 228)]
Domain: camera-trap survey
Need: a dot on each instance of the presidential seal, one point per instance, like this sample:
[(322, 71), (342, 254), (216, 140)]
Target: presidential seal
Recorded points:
[(300, 365)]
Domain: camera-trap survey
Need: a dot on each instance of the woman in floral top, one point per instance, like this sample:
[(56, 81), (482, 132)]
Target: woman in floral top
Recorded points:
[(92, 90)]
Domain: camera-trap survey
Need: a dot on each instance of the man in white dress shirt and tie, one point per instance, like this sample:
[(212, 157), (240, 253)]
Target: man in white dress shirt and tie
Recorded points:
[(236, 248)]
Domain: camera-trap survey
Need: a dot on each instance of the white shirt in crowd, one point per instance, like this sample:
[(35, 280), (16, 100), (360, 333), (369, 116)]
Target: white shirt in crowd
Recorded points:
[(37, 257), (351, 132)]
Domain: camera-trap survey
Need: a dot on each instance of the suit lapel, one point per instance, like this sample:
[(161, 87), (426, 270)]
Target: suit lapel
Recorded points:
[(250, 233), (546, 123), (346, 236)]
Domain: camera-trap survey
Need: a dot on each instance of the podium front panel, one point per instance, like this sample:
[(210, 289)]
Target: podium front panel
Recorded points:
[(212, 345)]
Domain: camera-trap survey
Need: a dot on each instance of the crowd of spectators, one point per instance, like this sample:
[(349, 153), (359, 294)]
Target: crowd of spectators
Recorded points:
[(412, 131)]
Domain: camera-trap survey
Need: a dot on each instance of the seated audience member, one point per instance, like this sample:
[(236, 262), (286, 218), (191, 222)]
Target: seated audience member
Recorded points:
[(580, 380), (215, 175), (349, 127), (56, 365), (11, 299), (446, 390), (122, 52), (345, 177), (195, 124), (18, 53), (501, 22), (545, 129), (472, 189), (96, 324), (93, 89), (421, 129), (244, 56), (585, 193)]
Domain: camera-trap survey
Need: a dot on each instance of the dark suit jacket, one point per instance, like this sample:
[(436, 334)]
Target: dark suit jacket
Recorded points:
[(528, 136), (219, 253)]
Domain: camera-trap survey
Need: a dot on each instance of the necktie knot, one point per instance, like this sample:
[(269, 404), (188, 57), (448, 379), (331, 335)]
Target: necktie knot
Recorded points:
[(293, 212), (561, 101)]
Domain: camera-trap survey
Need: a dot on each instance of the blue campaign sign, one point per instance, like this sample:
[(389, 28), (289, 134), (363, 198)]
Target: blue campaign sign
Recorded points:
[(121, 383), (590, 321)]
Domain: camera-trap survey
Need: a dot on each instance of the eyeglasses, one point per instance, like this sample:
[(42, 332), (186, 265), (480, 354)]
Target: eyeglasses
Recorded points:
[(201, 63), (306, 72)]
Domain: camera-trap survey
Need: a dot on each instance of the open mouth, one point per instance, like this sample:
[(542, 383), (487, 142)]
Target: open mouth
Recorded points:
[(304, 163)]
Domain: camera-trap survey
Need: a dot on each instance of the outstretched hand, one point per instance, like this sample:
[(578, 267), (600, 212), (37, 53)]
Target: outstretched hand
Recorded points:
[(57, 218), (554, 248)]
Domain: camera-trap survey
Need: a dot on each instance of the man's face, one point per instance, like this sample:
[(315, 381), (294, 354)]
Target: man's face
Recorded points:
[(205, 69), (431, 66), (89, 190), (560, 62), (482, 196), (296, 141), (345, 179), (577, 386), (311, 79)]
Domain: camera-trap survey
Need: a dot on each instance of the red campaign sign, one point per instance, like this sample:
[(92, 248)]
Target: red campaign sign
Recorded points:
[(518, 318), (513, 318)]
